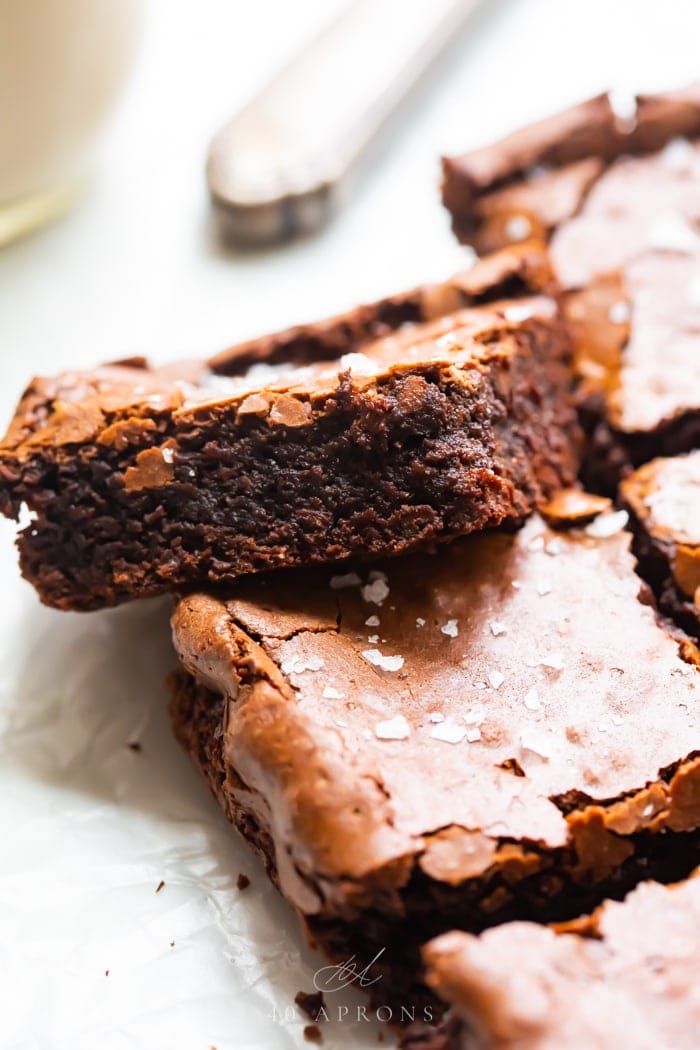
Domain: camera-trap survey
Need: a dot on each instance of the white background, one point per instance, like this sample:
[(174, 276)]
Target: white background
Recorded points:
[(88, 828)]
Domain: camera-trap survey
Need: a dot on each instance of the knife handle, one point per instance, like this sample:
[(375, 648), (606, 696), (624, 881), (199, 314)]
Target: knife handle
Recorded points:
[(277, 168)]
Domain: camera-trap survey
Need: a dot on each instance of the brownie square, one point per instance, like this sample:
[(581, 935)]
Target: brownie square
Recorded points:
[(141, 480), (499, 730)]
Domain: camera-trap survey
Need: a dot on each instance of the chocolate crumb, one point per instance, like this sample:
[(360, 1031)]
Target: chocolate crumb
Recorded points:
[(106, 973), (134, 745), (160, 885), (172, 944), (243, 882), (311, 1003), (511, 765), (312, 1034)]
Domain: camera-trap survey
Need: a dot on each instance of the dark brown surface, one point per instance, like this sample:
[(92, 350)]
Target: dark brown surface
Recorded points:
[(626, 977), (141, 480), (620, 201), (430, 746)]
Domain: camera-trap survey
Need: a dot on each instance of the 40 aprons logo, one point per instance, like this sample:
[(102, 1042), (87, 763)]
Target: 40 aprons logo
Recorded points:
[(334, 979)]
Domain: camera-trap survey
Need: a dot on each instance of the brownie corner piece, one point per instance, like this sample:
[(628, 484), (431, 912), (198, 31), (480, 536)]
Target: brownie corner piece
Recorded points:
[(142, 480)]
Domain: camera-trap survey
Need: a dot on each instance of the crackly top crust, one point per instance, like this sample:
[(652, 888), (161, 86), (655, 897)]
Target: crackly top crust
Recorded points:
[(562, 155), (381, 721), (76, 407), (625, 977), (625, 239)]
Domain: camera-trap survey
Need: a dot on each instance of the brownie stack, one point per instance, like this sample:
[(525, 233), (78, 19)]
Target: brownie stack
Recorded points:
[(439, 683)]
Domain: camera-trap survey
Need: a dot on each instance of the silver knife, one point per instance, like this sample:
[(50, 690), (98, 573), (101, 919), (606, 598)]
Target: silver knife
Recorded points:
[(278, 168)]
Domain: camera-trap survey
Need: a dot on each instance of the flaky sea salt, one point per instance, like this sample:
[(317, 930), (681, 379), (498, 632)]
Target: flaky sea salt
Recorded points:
[(473, 735), (377, 589), (297, 664), (532, 700), (606, 525), (543, 588), (496, 679), (497, 628), (620, 312), (450, 629), (448, 732), (536, 742), (437, 717), (372, 639), (518, 227), (447, 342), (358, 363), (475, 716), (329, 693), (386, 663), (396, 728), (420, 622), (372, 621), (339, 583), (167, 454)]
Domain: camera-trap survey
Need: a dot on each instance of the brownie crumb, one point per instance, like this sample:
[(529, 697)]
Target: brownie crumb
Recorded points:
[(160, 885), (106, 973), (243, 882), (311, 1003), (312, 1034), (172, 944)]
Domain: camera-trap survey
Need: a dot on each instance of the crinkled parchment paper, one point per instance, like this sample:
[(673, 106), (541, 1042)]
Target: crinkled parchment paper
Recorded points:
[(91, 956)]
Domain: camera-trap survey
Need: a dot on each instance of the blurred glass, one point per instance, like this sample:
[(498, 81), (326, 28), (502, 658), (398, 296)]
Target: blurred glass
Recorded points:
[(62, 63)]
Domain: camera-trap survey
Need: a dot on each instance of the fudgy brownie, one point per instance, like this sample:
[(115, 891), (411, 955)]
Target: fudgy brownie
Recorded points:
[(619, 195), (663, 497), (624, 977), (140, 480), (497, 730)]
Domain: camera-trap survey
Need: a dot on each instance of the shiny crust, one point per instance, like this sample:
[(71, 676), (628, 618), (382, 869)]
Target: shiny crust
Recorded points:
[(558, 797)]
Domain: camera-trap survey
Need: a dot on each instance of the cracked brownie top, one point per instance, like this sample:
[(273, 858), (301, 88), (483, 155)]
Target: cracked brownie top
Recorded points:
[(437, 711)]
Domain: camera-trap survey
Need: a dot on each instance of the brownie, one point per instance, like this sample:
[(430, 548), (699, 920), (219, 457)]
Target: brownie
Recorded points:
[(663, 497), (140, 480), (500, 729), (622, 978), (619, 199)]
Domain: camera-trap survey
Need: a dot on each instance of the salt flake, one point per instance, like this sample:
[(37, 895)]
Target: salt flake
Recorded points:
[(496, 679), (448, 732), (606, 525), (393, 729), (497, 628), (377, 589), (386, 663), (450, 629), (532, 701)]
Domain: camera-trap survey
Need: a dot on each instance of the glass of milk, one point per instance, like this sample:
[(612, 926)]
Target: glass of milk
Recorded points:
[(62, 63)]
